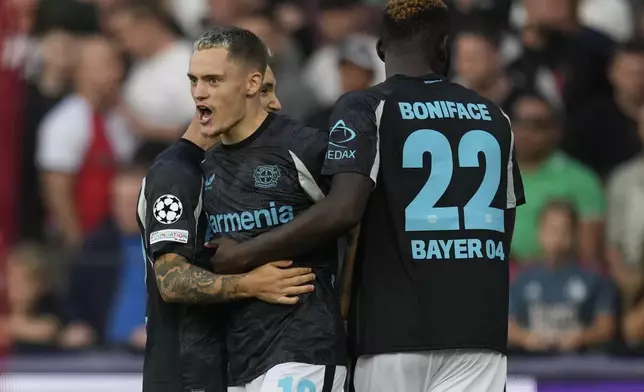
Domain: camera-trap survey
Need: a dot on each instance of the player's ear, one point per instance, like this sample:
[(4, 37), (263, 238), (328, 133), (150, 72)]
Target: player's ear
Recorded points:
[(254, 83), (380, 50), (445, 54)]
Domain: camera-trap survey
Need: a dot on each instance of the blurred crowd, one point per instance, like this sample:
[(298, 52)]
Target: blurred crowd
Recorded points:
[(101, 89)]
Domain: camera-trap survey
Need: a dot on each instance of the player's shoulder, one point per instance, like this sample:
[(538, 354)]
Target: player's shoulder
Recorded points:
[(287, 131), (67, 111), (464, 94), (368, 98), (180, 161)]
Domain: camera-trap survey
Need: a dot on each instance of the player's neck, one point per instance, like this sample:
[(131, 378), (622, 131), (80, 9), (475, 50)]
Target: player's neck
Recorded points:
[(409, 65), (246, 127)]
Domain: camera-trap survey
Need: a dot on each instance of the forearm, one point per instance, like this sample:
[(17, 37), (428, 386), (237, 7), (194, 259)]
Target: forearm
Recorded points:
[(601, 331), (316, 226), (60, 203), (347, 271), (517, 335), (634, 325), (180, 281), (339, 212)]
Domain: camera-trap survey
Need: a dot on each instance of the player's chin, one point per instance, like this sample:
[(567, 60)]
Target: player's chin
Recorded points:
[(209, 131)]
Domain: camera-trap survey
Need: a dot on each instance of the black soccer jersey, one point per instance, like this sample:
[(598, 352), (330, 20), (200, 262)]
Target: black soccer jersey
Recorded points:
[(252, 186), (185, 347), (432, 260)]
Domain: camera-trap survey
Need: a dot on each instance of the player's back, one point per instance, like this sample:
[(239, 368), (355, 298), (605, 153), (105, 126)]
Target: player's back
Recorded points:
[(432, 261), (185, 342)]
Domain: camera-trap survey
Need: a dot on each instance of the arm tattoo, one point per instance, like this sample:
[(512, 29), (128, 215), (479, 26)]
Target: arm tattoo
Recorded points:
[(180, 281)]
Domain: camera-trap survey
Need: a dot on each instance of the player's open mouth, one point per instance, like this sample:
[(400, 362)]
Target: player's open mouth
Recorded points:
[(205, 114)]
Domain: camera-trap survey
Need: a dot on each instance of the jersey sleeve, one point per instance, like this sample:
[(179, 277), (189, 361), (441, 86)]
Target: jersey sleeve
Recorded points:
[(169, 209), (353, 145), (515, 191), (307, 152)]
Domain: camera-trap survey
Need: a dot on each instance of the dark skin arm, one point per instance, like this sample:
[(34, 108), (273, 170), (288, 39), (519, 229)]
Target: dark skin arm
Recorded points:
[(180, 281), (339, 212)]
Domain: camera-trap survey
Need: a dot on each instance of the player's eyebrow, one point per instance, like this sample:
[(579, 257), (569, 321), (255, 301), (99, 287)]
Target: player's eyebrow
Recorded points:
[(208, 76)]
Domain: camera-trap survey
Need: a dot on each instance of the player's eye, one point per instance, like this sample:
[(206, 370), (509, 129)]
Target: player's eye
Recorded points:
[(213, 81), (193, 81)]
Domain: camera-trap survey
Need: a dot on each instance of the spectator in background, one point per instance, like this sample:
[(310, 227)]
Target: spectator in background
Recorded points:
[(633, 323), (552, 175), (35, 314), (558, 305), (603, 133), (58, 24), (157, 101), (356, 67), (625, 222), (578, 56), (479, 66), (106, 299), (286, 62), (80, 142)]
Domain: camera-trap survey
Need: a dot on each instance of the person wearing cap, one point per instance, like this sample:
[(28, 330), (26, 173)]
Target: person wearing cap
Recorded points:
[(356, 66)]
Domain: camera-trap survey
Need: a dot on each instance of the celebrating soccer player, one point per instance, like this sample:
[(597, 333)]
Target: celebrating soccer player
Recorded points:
[(431, 164), (185, 346), (265, 171)]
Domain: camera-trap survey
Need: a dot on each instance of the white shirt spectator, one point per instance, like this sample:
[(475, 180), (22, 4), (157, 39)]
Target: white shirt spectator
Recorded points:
[(66, 133), (158, 91)]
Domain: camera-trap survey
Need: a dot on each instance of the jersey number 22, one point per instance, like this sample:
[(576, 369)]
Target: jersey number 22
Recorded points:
[(422, 214)]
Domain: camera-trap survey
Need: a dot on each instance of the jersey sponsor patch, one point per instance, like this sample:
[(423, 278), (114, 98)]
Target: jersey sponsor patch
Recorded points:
[(169, 235), (167, 209)]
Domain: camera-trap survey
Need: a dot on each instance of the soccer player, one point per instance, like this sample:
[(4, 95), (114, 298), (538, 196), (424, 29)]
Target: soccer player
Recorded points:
[(428, 169), (186, 345), (265, 171), (268, 96)]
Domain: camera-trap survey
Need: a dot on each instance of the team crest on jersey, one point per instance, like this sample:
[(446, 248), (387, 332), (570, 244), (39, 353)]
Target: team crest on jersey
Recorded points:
[(266, 176), (167, 209)]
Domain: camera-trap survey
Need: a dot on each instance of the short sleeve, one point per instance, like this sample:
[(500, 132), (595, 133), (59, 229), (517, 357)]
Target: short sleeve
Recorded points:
[(63, 137), (515, 191), (169, 208), (353, 139), (307, 151)]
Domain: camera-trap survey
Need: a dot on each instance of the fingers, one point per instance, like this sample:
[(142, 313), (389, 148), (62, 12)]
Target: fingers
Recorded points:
[(211, 245), (281, 263), (298, 280), (287, 300), (292, 272), (298, 290)]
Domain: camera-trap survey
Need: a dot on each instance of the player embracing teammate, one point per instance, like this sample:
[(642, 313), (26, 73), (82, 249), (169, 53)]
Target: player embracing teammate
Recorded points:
[(427, 169)]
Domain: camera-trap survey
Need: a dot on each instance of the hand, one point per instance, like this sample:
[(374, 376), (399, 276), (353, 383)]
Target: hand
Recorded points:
[(77, 336), (138, 338), (275, 283), (535, 343), (570, 341), (227, 255)]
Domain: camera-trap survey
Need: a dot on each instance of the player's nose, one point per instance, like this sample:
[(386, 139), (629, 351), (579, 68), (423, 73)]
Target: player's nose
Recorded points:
[(275, 105), (200, 92)]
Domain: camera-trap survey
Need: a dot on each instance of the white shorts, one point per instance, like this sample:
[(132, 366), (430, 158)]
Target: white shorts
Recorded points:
[(432, 371), (297, 377)]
